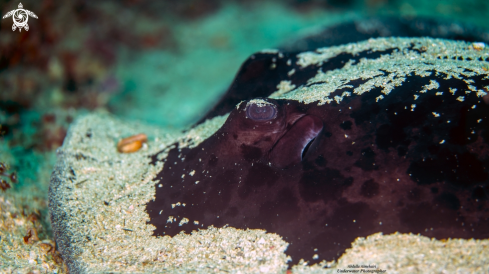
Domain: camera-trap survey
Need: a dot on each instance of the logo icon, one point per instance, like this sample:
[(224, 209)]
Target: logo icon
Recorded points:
[(20, 16)]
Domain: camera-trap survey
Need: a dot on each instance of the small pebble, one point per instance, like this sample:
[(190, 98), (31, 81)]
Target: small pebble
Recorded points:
[(478, 45), (31, 236), (132, 144), (45, 247)]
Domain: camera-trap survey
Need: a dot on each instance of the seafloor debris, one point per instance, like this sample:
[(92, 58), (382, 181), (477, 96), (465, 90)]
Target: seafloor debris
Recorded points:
[(132, 144), (31, 236), (26, 244), (478, 45), (4, 185)]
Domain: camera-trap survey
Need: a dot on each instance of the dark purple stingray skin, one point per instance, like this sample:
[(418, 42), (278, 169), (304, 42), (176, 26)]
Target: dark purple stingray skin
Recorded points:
[(321, 176), (373, 167)]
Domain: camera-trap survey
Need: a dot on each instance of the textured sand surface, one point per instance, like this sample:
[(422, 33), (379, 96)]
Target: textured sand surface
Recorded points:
[(24, 246)]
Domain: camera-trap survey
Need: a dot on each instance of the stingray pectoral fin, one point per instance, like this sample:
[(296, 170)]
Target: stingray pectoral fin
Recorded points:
[(289, 149)]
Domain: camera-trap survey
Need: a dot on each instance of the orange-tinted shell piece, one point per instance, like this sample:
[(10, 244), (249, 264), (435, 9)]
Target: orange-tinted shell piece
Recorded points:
[(132, 144), (31, 236)]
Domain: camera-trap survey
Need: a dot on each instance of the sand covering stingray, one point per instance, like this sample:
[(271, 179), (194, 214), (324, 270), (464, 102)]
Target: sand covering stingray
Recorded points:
[(98, 197)]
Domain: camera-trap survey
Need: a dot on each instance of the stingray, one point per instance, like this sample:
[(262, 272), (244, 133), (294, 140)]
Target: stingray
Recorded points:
[(325, 145)]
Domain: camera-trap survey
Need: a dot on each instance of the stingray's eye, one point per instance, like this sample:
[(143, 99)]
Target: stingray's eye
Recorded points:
[(261, 112)]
